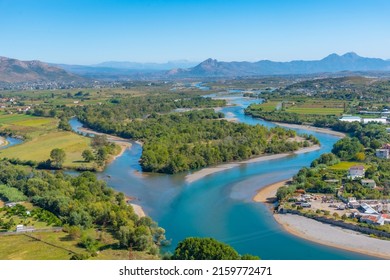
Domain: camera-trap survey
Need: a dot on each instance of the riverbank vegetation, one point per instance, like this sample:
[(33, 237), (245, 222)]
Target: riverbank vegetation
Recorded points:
[(321, 102), (41, 136), (329, 178), (86, 208), (358, 149), (196, 248), (181, 141)]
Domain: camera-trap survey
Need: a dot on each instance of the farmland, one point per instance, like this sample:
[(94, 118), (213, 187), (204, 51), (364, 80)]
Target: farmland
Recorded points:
[(41, 136), (58, 246), (304, 107), (345, 165)]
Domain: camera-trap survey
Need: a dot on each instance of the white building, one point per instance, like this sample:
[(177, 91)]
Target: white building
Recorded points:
[(382, 153), (356, 171), (350, 119), (376, 120), (368, 183)]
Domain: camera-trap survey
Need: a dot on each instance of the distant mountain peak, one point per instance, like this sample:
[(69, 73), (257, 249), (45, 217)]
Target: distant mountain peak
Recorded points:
[(351, 55), (332, 63), (209, 63)]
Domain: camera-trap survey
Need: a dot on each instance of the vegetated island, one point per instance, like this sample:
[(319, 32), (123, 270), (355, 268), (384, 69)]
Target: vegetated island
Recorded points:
[(177, 142)]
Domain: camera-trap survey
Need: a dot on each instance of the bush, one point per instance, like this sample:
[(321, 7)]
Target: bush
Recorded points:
[(195, 248)]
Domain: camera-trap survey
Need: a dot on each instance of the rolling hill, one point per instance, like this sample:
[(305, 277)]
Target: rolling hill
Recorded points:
[(16, 71)]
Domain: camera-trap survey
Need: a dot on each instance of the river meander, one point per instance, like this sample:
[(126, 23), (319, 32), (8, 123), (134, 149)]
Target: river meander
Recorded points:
[(220, 205)]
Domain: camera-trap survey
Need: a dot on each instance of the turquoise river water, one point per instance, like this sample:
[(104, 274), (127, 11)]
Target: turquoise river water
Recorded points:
[(220, 205)]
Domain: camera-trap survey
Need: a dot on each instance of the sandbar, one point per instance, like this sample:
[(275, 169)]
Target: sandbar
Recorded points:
[(312, 128), (323, 233), (197, 175), (267, 194), (138, 210), (334, 236)]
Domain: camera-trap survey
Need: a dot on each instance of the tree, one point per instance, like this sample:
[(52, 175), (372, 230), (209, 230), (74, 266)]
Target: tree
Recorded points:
[(249, 257), (58, 157), (196, 248), (88, 155), (360, 156)]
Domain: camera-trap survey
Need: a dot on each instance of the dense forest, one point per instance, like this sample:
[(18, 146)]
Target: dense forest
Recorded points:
[(82, 202), (175, 142)]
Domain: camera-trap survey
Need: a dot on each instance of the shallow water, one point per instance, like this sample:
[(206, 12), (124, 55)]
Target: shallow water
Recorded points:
[(220, 205)]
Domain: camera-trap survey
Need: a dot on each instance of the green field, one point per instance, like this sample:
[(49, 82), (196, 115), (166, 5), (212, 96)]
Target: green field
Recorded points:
[(315, 111), (26, 125), (57, 246), (39, 148), (345, 165), (268, 106), (42, 136), (12, 118), (314, 107)]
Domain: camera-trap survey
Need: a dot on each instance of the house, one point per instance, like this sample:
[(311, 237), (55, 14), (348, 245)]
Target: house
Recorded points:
[(350, 119), (367, 209), (10, 204), (376, 120), (386, 146), (22, 228), (356, 171), (382, 153), (379, 219), (368, 183)]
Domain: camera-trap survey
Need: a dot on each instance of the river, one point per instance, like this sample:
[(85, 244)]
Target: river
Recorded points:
[(220, 205), (11, 142)]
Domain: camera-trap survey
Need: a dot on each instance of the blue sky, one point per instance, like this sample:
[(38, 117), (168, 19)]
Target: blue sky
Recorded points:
[(92, 31)]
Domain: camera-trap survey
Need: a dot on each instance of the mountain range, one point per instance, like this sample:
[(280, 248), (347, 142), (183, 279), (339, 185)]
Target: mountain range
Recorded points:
[(16, 71), (13, 70), (330, 64)]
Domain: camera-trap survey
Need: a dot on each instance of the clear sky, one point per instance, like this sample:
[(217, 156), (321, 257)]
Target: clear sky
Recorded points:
[(92, 31)]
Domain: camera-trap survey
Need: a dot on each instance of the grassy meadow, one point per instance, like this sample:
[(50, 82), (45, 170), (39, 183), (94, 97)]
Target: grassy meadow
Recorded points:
[(42, 136), (304, 107), (58, 246), (345, 165)]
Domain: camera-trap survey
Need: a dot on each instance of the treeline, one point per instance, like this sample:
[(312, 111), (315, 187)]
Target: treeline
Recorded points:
[(128, 108), (360, 146), (331, 122), (294, 118), (83, 202)]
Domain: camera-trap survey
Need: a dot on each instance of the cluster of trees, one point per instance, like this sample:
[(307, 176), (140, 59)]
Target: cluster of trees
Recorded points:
[(102, 149), (85, 202), (196, 248), (182, 141), (127, 108)]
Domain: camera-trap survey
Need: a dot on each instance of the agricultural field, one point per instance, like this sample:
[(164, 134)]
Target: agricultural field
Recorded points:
[(315, 107), (42, 136), (268, 106), (345, 165), (58, 246), (303, 107), (38, 149), (27, 126)]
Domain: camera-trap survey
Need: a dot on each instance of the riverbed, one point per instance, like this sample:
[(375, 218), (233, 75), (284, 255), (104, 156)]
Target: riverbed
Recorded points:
[(220, 204)]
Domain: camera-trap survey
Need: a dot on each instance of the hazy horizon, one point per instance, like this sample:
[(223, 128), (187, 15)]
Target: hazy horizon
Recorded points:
[(154, 31)]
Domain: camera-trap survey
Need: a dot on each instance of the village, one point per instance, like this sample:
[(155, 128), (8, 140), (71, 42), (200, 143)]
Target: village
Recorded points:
[(371, 211)]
